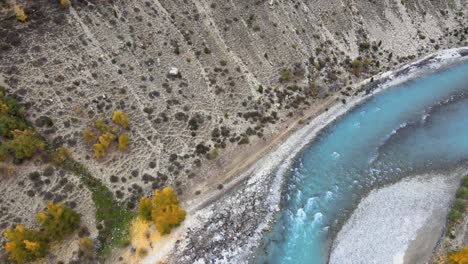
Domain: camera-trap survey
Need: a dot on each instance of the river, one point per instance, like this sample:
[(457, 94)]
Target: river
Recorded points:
[(416, 127)]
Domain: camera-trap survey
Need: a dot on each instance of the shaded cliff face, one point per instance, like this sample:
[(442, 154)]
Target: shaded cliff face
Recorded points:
[(195, 76)]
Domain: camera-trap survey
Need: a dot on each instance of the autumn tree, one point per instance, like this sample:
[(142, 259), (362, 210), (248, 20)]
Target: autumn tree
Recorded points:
[(458, 257), (167, 217), (165, 211), (99, 151), (108, 134), (20, 14), (24, 245), (106, 139), (120, 118), (123, 142), (65, 3), (58, 220)]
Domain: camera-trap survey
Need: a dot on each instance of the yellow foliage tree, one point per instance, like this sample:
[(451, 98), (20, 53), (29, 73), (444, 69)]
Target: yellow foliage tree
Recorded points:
[(20, 14), (24, 245), (123, 142), (4, 108), (165, 197), (30, 245), (99, 151), (120, 118), (167, 217), (89, 136), (166, 212), (106, 139), (459, 257), (65, 3), (163, 209)]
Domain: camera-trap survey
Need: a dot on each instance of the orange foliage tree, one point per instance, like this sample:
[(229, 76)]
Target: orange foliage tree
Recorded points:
[(459, 257), (163, 209), (24, 245)]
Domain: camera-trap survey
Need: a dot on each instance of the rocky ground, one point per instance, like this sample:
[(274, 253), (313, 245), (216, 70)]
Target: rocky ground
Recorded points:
[(206, 84)]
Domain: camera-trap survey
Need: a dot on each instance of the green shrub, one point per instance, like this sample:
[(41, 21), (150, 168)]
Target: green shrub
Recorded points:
[(356, 66), (364, 46), (459, 205), (10, 115), (14, 108), (9, 123), (213, 154), (455, 216), (465, 182), (260, 89), (462, 193), (286, 75)]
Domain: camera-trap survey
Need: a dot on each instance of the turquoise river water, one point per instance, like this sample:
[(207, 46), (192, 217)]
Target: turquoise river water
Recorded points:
[(416, 127)]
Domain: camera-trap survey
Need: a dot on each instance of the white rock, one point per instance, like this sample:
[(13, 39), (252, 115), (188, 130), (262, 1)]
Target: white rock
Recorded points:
[(174, 71)]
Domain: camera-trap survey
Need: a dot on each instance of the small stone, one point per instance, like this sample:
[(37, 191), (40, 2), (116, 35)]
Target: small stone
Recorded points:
[(173, 71)]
